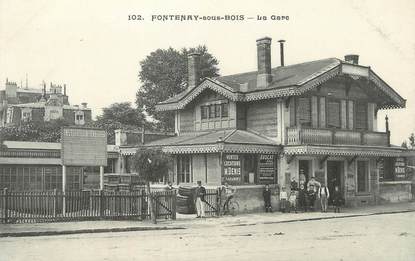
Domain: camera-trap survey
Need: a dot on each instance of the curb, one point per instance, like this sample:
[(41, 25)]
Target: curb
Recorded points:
[(132, 229), (323, 218), (83, 231)]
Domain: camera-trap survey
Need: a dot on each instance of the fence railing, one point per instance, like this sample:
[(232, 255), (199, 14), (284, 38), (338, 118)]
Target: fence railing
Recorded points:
[(51, 206), (304, 135)]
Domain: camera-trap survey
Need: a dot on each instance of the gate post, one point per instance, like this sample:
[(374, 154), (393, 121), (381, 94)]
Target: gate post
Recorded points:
[(143, 205), (6, 206), (218, 201), (173, 207), (101, 204), (55, 199)]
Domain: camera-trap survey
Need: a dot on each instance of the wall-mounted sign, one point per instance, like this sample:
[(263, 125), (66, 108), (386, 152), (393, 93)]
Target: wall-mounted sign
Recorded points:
[(266, 168), (400, 168), (232, 168)]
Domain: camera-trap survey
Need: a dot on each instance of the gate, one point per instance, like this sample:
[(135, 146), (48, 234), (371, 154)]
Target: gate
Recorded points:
[(212, 202)]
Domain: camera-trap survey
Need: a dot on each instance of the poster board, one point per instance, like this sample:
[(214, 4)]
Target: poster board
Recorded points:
[(232, 168), (400, 168), (83, 147), (266, 168)]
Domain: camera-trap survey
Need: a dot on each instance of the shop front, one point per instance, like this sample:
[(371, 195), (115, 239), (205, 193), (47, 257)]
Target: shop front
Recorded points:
[(356, 171), (242, 159)]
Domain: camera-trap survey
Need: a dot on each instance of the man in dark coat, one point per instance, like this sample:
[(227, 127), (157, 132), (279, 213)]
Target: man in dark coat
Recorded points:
[(200, 200), (267, 198)]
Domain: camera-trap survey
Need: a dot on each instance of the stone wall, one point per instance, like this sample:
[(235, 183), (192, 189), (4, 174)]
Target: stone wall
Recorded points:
[(395, 191)]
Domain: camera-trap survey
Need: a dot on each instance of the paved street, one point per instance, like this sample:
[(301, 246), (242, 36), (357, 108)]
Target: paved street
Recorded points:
[(377, 237)]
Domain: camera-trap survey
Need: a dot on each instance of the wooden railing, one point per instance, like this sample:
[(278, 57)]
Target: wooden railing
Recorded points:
[(298, 136), (52, 206)]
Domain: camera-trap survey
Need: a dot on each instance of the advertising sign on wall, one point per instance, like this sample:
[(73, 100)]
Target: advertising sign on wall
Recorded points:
[(400, 169), (266, 169), (232, 168)]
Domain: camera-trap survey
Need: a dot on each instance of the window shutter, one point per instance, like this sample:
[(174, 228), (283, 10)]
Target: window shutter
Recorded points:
[(351, 115), (292, 112), (333, 114), (314, 111), (361, 116), (343, 114), (304, 111), (322, 112)]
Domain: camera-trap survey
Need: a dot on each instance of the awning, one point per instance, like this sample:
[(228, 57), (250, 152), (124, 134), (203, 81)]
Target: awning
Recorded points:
[(341, 150), (227, 141)]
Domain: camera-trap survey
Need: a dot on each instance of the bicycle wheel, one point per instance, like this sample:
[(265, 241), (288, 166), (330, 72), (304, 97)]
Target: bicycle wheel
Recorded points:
[(233, 208)]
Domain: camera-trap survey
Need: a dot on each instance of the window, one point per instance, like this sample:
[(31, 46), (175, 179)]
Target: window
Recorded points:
[(79, 118), (304, 111), (26, 115), (333, 114), (224, 110), (361, 116), (183, 169), (362, 176), (217, 110), (214, 111), (204, 112)]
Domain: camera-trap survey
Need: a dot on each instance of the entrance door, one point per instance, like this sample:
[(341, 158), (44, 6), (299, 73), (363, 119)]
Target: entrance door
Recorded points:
[(334, 176), (304, 170)]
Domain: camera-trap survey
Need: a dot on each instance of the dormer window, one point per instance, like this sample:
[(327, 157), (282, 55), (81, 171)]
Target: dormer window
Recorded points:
[(79, 118), (214, 111), (26, 115)]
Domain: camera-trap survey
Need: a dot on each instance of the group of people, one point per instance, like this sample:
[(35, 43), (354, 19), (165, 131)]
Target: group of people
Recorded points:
[(303, 196)]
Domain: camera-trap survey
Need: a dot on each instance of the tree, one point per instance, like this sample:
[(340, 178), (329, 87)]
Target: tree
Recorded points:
[(123, 113), (164, 74), (34, 131), (119, 116), (411, 144), (151, 165)]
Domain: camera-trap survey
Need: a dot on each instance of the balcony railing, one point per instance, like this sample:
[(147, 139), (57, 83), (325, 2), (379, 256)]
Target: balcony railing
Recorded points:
[(298, 136)]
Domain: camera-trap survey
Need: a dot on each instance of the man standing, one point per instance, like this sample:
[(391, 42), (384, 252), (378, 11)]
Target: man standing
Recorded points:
[(267, 198), (323, 194), (200, 200), (312, 187)]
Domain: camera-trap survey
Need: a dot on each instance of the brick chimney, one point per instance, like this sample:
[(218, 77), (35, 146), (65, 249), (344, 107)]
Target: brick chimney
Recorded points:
[(193, 67), (264, 77), (352, 58)]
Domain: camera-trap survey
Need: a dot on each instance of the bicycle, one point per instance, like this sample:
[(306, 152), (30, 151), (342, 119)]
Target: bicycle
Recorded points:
[(232, 207)]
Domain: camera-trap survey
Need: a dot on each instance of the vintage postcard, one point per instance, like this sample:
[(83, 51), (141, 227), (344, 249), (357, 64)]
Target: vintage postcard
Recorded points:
[(207, 130)]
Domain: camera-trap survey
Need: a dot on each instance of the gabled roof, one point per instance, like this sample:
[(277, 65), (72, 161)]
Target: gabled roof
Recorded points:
[(287, 81), (228, 140)]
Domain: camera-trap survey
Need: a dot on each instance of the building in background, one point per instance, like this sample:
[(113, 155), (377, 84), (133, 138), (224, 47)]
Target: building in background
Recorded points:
[(22, 104)]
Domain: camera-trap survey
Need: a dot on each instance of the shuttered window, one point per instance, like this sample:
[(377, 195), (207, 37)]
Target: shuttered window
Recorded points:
[(333, 114), (304, 111), (361, 116)]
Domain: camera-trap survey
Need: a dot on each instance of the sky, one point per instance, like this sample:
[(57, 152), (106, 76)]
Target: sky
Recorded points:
[(95, 49)]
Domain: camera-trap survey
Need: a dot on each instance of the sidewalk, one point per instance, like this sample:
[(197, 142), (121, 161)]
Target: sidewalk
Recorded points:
[(189, 221)]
